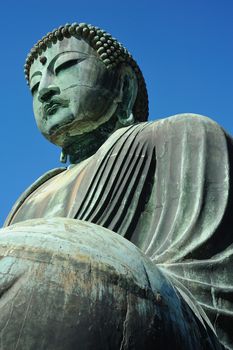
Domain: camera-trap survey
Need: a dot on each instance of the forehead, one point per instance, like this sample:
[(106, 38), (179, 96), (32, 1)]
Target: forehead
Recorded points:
[(65, 45)]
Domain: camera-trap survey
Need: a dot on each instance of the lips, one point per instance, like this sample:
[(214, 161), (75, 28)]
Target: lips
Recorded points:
[(50, 108)]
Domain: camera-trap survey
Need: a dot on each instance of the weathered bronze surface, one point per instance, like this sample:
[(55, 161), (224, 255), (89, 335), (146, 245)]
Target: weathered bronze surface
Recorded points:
[(75, 285), (68, 281)]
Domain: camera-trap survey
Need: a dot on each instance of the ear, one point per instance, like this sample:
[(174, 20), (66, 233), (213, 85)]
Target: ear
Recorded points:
[(128, 94)]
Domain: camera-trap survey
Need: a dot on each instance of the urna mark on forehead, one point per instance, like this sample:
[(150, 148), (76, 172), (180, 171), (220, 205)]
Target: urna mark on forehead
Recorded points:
[(62, 47)]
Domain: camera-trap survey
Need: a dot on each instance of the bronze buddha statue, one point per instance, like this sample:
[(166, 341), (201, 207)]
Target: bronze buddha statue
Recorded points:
[(69, 280)]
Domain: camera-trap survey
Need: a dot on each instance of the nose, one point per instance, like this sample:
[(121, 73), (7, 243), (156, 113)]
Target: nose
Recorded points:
[(47, 92)]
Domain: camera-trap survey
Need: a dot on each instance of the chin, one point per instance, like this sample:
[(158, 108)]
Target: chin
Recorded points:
[(57, 128)]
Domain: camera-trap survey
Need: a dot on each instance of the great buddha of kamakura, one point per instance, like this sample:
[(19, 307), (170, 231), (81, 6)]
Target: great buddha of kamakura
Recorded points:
[(130, 246)]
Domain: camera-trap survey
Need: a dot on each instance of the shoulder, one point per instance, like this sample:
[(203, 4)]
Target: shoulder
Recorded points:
[(179, 127), (42, 179), (182, 124), (186, 119), (183, 130), (177, 120)]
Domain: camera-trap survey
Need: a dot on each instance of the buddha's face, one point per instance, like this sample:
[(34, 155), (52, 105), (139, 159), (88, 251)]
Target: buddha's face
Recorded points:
[(73, 91)]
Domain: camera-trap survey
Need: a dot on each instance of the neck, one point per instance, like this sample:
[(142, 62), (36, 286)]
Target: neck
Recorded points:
[(84, 146)]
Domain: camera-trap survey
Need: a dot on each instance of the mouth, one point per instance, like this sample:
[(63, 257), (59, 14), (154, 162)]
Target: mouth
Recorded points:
[(53, 105), (51, 108)]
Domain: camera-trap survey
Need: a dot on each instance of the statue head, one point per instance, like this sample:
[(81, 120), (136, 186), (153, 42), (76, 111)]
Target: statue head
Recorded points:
[(83, 81)]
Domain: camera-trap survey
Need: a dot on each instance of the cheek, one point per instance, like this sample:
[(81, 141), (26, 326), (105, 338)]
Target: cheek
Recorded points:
[(37, 109), (90, 103), (68, 79)]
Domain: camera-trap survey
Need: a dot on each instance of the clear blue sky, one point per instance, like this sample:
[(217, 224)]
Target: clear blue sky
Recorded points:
[(184, 48)]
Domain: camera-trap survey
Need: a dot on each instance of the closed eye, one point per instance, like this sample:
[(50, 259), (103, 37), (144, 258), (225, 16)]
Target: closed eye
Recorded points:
[(66, 65), (35, 88)]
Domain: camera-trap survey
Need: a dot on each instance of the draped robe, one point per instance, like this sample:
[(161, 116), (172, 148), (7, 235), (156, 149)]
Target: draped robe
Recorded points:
[(167, 187)]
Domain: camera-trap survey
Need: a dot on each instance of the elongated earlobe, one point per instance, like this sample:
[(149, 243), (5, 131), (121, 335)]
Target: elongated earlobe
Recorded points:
[(129, 89), (63, 156), (127, 119)]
